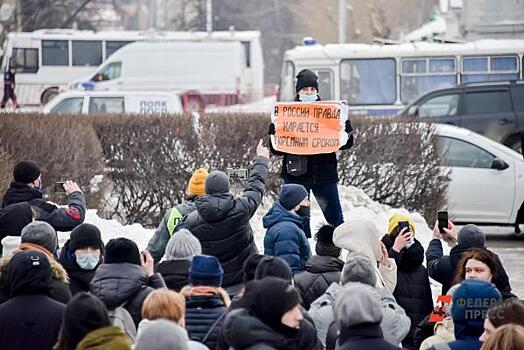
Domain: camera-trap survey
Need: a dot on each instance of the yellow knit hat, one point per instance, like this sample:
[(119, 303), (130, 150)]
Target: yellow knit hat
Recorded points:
[(396, 218), (197, 183)]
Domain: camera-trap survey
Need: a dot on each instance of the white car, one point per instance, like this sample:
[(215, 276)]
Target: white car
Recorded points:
[(141, 102), (487, 178)]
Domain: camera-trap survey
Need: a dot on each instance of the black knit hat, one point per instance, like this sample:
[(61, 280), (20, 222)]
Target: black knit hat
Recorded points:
[(250, 266), (26, 171), (83, 314), (325, 244), (292, 195), (85, 235), (281, 294), (271, 266), (122, 250), (306, 78)]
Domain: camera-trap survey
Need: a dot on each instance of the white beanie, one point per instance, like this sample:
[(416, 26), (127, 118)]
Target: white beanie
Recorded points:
[(183, 245)]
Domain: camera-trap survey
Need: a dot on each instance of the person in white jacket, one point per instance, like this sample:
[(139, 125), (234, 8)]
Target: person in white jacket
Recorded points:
[(361, 235)]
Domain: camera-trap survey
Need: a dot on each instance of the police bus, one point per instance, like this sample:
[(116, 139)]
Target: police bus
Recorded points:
[(381, 79), (47, 60)]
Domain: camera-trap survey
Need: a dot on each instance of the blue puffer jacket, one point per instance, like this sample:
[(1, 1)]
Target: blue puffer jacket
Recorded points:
[(285, 237)]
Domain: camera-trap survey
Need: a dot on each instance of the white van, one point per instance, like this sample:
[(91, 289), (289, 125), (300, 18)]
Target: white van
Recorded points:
[(140, 102), (209, 73)]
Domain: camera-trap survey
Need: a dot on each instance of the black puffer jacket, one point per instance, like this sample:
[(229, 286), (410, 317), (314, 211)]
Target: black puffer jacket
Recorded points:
[(245, 331), (175, 273), (62, 219), (204, 316), (221, 224), (413, 291), (79, 279), (321, 272), (124, 283)]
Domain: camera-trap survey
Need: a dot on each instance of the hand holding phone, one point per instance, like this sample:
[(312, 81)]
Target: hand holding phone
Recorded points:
[(404, 237)]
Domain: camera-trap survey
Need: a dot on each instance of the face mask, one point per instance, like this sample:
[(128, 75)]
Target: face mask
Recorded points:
[(304, 212), (307, 98), (40, 187), (410, 243), (87, 261)]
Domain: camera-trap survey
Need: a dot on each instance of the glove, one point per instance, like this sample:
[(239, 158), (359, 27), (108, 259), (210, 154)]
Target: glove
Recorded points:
[(271, 130), (348, 128)]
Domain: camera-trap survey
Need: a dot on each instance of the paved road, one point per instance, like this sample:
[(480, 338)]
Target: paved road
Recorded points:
[(510, 249)]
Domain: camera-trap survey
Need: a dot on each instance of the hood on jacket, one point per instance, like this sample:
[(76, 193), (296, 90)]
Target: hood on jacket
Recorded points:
[(29, 273), (57, 271), (359, 235), (114, 284), (471, 302), (215, 207), (161, 334), (322, 263), (107, 338), (14, 218), (19, 192), (357, 304), (277, 213)]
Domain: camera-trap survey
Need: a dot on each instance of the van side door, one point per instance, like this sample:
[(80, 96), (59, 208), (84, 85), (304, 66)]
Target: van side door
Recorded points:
[(488, 111)]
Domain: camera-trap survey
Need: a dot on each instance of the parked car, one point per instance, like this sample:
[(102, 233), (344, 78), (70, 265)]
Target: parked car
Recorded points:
[(492, 109), (141, 102), (486, 178)]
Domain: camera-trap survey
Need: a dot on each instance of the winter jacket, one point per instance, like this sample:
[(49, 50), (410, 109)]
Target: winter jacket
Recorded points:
[(321, 168), (62, 219), (245, 331), (221, 224), (321, 272), (413, 291), (13, 218), (442, 268), (145, 323), (29, 319), (124, 284), (363, 336), (59, 284), (444, 333), (157, 244), (175, 273), (285, 238), (79, 278), (395, 324), (204, 318), (107, 338), (361, 236)]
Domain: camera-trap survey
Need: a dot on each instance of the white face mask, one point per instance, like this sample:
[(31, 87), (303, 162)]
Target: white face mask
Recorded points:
[(88, 261), (307, 98)]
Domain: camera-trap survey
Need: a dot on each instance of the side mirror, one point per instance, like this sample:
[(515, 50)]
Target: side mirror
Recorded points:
[(413, 111), (499, 164)]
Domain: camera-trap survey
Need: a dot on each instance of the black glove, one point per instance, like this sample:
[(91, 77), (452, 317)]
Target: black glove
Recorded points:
[(348, 128), (271, 130)]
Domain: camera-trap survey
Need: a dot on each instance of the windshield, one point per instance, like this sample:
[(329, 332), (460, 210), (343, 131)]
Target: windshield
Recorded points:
[(110, 72)]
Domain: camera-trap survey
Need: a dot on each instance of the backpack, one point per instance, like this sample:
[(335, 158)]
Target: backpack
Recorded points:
[(120, 317)]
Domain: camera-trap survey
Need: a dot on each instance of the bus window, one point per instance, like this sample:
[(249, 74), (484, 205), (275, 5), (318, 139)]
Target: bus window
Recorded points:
[(247, 52), (24, 60), (325, 84), (106, 105), (70, 106), (287, 82), (113, 46), (368, 81), (489, 68), (109, 72), (87, 53), (421, 75), (55, 53)]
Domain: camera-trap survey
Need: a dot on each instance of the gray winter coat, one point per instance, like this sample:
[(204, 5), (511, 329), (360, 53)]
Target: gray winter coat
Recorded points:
[(124, 284), (157, 244), (395, 324), (221, 223)]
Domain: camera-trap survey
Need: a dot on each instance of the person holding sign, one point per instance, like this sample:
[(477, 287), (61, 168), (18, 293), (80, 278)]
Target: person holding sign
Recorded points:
[(307, 135)]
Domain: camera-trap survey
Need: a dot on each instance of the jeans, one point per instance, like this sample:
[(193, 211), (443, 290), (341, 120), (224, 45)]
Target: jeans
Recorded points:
[(329, 202)]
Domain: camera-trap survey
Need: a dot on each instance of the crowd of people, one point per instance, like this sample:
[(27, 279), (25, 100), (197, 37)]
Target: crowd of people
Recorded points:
[(201, 283)]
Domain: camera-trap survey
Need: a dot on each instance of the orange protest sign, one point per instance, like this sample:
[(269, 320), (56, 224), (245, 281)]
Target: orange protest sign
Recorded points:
[(309, 128)]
